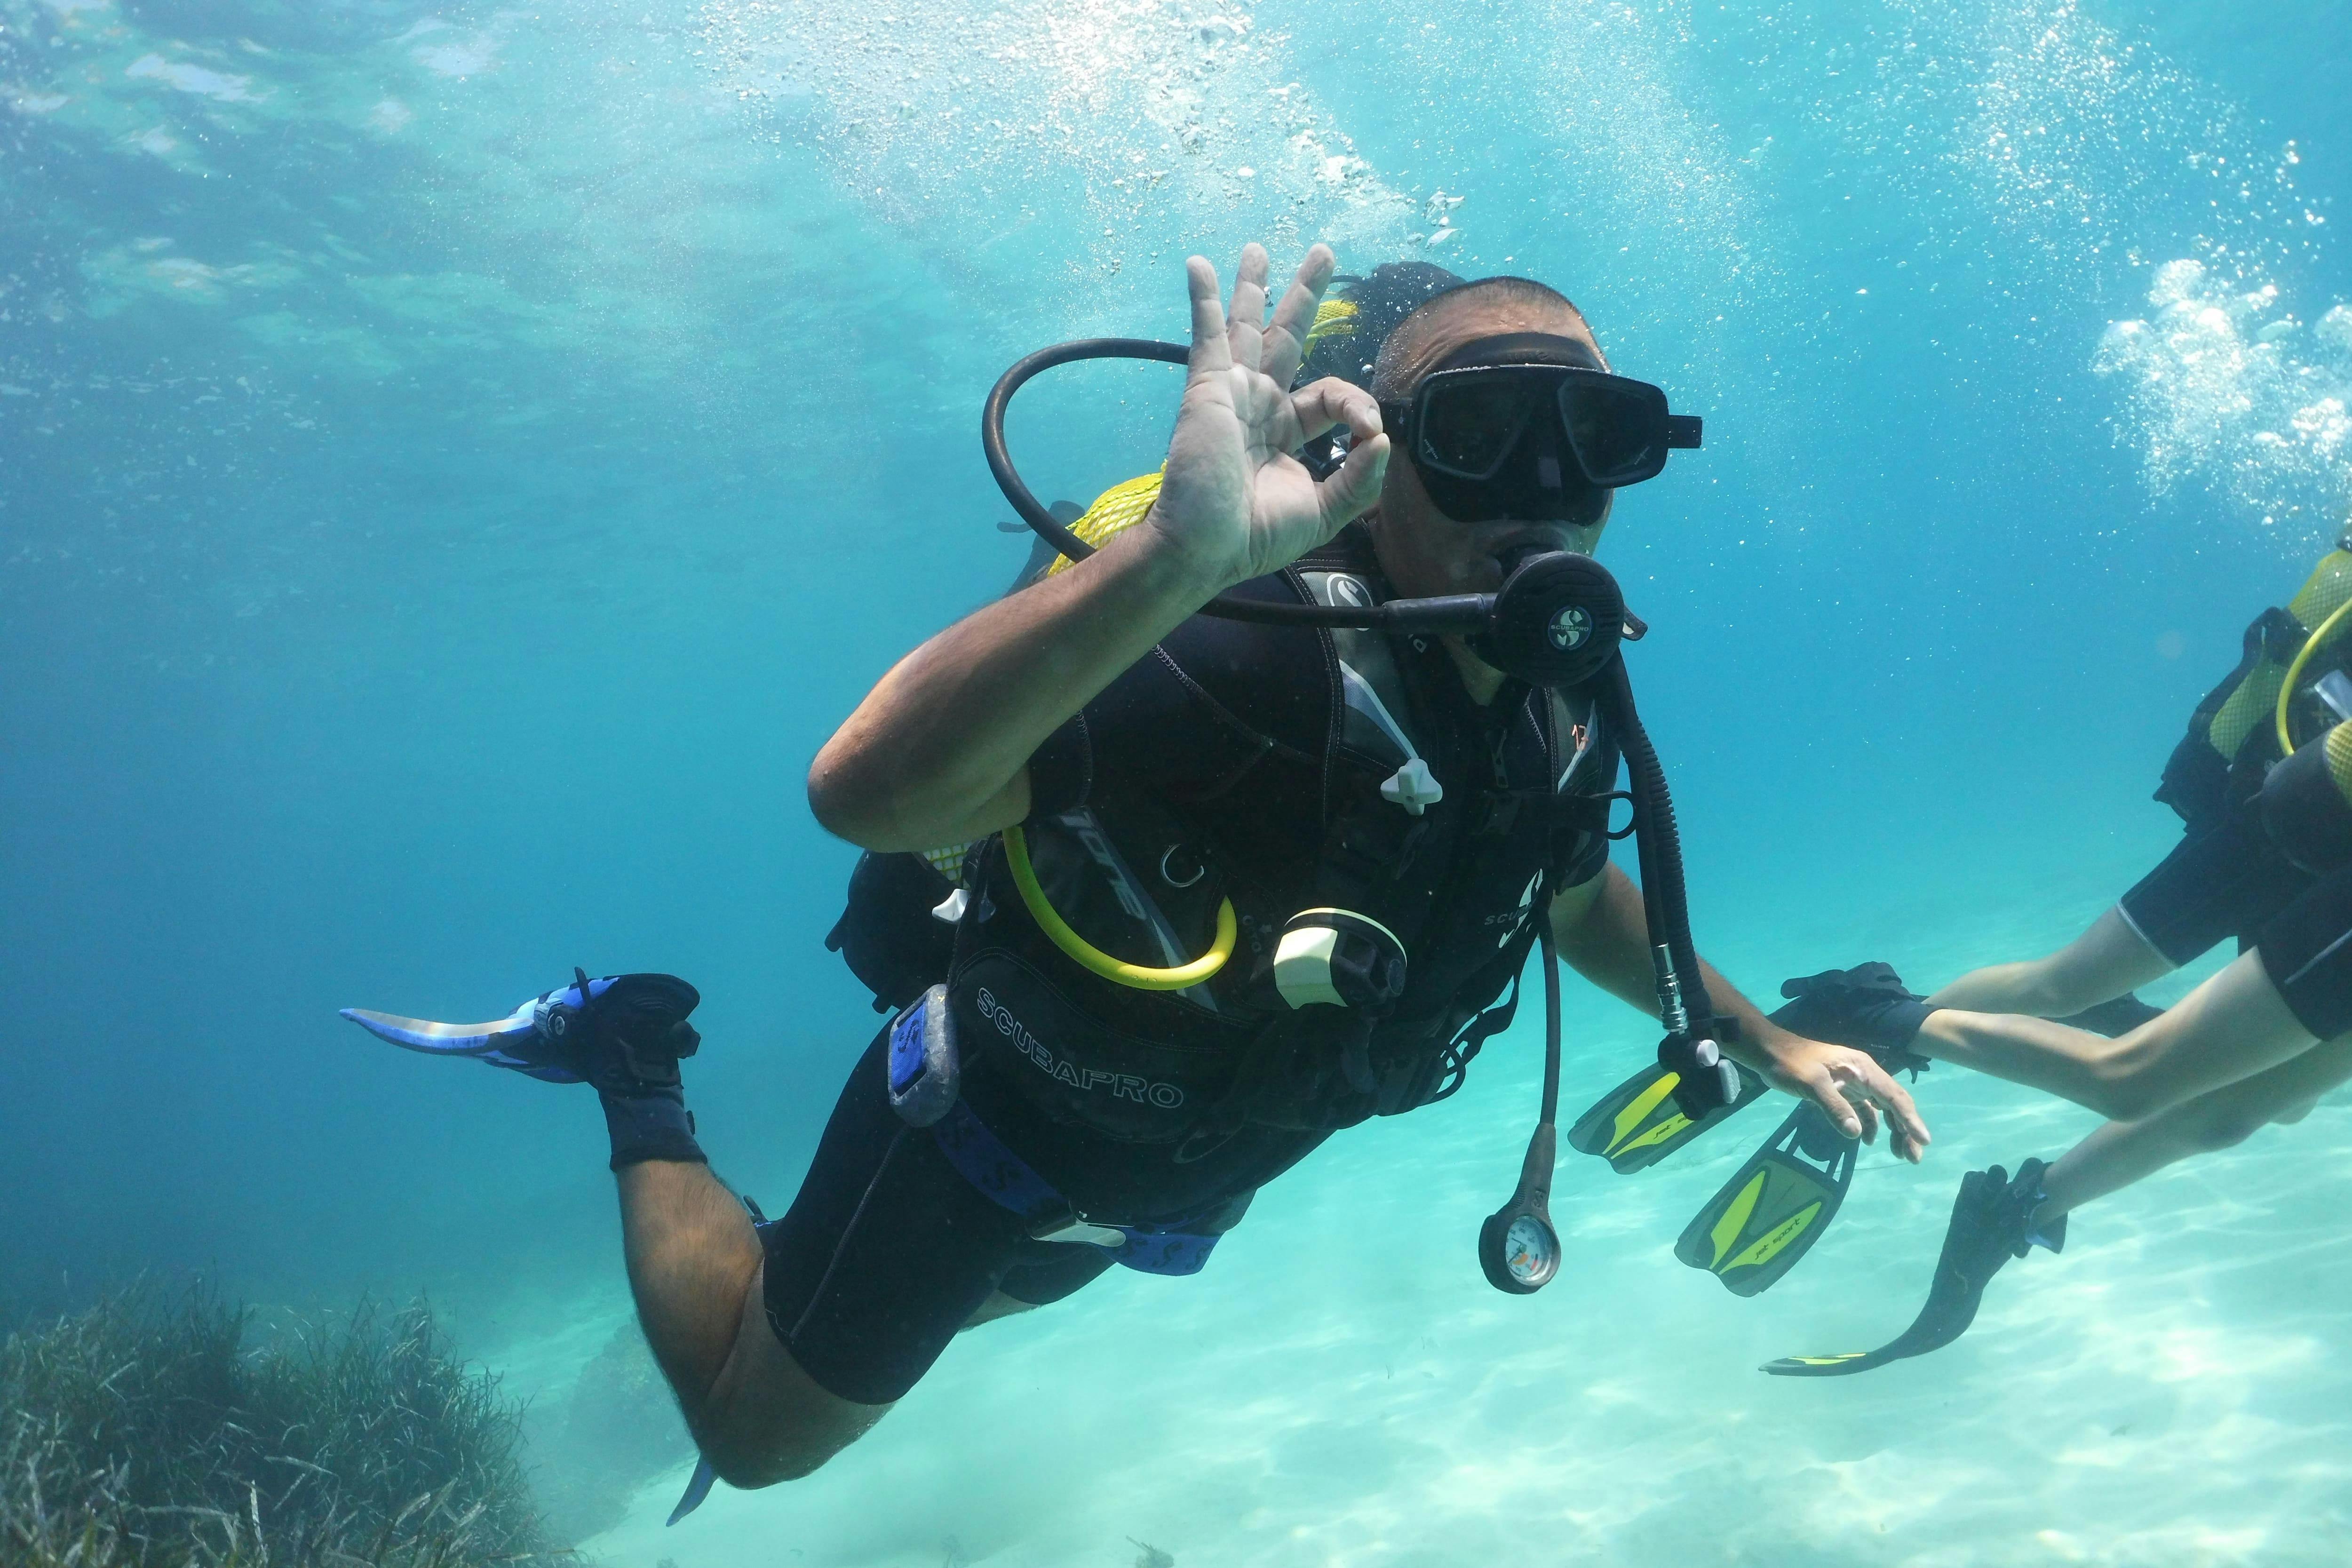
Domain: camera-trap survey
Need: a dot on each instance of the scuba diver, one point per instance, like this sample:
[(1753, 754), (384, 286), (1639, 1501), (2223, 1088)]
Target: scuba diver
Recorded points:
[(2261, 783), (1226, 833)]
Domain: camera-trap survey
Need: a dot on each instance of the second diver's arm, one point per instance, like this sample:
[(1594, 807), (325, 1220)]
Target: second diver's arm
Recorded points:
[(1603, 935), (2231, 1026)]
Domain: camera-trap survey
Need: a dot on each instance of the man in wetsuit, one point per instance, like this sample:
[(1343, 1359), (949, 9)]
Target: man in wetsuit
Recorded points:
[(1164, 777), (2261, 860)]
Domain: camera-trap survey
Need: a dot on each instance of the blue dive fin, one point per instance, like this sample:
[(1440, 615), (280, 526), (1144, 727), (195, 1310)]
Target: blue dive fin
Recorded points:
[(695, 1490), (444, 1040), (494, 1042)]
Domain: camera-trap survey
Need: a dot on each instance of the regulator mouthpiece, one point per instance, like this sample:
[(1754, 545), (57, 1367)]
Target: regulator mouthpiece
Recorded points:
[(1556, 621)]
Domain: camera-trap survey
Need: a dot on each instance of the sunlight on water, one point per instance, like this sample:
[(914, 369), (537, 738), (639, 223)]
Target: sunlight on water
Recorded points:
[(958, 127)]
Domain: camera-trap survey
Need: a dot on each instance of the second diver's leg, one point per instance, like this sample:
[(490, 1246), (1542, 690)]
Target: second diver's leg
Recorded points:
[(2232, 1027), (697, 1271), (2102, 964), (2122, 1152)]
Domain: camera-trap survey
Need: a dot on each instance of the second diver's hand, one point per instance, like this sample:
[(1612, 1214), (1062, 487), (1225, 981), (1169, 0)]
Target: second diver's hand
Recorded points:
[(937, 752)]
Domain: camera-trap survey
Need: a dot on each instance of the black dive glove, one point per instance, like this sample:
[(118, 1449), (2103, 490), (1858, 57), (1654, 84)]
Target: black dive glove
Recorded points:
[(1867, 1007)]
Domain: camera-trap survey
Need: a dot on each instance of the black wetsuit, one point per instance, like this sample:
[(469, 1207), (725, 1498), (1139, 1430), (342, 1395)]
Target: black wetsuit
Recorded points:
[(1234, 761), (2225, 879)]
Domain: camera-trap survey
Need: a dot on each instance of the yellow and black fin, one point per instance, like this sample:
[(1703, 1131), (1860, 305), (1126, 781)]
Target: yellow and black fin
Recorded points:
[(1771, 1213), (1637, 1124)]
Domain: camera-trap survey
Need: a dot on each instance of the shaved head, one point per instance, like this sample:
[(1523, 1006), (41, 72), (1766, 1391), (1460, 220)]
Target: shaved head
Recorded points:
[(1484, 308)]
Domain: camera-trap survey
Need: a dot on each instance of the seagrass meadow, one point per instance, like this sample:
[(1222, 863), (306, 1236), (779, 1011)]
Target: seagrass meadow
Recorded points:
[(149, 1429)]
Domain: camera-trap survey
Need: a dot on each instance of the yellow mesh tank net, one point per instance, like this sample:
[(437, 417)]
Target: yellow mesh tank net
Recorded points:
[(2324, 594), (2326, 591), (2245, 708), (1115, 511), (949, 862), (1333, 319), (2292, 682)]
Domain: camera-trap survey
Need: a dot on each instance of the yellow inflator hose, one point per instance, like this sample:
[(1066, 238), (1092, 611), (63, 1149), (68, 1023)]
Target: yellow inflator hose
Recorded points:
[(1090, 957), (2294, 672)]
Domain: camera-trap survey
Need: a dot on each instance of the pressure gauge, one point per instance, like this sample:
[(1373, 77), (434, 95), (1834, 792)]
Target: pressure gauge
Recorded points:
[(1531, 1251), (1518, 1246)]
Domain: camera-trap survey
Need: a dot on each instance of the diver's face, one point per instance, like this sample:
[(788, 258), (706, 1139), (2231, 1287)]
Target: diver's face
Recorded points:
[(1425, 553)]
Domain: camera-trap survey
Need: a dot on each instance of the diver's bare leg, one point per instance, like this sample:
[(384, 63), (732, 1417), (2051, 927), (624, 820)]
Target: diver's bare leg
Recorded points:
[(696, 1269), (2122, 1152), (2230, 1028), (2101, 964)]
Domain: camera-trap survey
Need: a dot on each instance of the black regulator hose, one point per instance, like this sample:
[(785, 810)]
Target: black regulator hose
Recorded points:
[(1691, 1049), (1659, 839), (1518, 1246)]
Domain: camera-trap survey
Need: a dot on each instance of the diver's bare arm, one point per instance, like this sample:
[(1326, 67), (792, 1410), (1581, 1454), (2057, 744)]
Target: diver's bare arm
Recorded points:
[(1603, 935), (939, 752), (2231, 1026)]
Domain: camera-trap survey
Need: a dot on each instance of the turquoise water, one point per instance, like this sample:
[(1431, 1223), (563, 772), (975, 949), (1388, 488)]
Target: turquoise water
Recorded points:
[(456, 465)]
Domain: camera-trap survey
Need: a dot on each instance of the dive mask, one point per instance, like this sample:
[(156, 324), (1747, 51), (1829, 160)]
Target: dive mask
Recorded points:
[(1510, 426)]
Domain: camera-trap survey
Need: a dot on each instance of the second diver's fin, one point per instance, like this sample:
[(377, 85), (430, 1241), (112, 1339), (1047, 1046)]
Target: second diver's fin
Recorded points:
[(1637, 1124), (1992, 1222), (1766, 1218)]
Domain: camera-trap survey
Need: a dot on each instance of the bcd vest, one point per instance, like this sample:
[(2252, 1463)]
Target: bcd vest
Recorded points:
[(1448, 823)]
